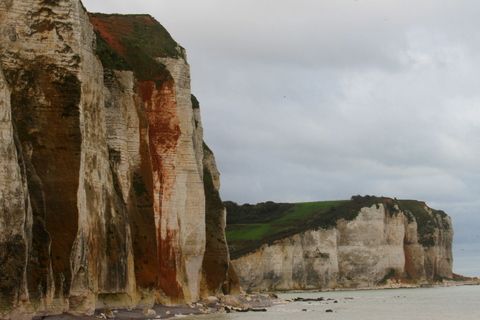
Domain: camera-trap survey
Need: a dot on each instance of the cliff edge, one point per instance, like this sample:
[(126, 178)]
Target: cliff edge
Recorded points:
[(362, 243), (108, 194)]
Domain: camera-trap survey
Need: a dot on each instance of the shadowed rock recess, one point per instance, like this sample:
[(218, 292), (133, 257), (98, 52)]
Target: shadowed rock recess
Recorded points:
[(361, 243), (108, 195)]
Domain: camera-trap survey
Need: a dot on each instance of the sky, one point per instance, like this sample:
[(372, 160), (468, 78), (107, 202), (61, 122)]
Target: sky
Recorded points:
[(306, 100)]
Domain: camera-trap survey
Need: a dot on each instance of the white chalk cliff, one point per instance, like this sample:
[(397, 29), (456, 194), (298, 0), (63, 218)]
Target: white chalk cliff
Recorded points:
[(377, 247), (103, 200)]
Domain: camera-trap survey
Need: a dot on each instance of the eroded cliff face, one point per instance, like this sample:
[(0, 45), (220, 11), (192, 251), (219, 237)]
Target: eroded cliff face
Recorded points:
[(380, 245), (216, 262), (103, 199)]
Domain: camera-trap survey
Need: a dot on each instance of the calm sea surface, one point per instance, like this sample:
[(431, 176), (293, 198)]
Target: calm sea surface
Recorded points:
[(462, 303)]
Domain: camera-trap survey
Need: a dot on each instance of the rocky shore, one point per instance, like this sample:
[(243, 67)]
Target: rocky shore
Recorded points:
[(223, 304)]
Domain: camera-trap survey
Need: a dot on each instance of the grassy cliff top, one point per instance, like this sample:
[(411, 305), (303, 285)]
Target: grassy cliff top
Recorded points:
[(133, 42), (251, 226)]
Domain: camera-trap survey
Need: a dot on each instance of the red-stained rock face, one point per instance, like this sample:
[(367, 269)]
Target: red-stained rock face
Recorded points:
[(168, 266), (110, 31), (163, 134), (161, 111)]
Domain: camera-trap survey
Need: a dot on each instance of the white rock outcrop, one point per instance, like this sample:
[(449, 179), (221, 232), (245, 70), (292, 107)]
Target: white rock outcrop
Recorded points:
[(366, 252)]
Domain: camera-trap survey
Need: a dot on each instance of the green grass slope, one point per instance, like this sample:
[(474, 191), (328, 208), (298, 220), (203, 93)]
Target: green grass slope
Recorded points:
[(251, 226)]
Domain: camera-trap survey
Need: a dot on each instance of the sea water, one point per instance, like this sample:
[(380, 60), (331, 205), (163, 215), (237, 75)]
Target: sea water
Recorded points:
[(462, 303)]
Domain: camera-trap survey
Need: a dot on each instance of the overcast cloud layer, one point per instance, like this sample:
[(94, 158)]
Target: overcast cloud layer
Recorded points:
[(315, 100)]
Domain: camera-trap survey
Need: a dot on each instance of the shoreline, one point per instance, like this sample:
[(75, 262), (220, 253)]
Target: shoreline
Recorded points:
[(255, 302), (392, 286)]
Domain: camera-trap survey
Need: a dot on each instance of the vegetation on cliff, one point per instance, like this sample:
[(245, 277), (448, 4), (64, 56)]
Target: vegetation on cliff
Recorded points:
[(426, 222), (251, 226), (133, 42)]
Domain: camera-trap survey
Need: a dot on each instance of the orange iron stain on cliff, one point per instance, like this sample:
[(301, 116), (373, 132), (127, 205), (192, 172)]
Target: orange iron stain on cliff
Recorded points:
[(164, 133), (112, 31)]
